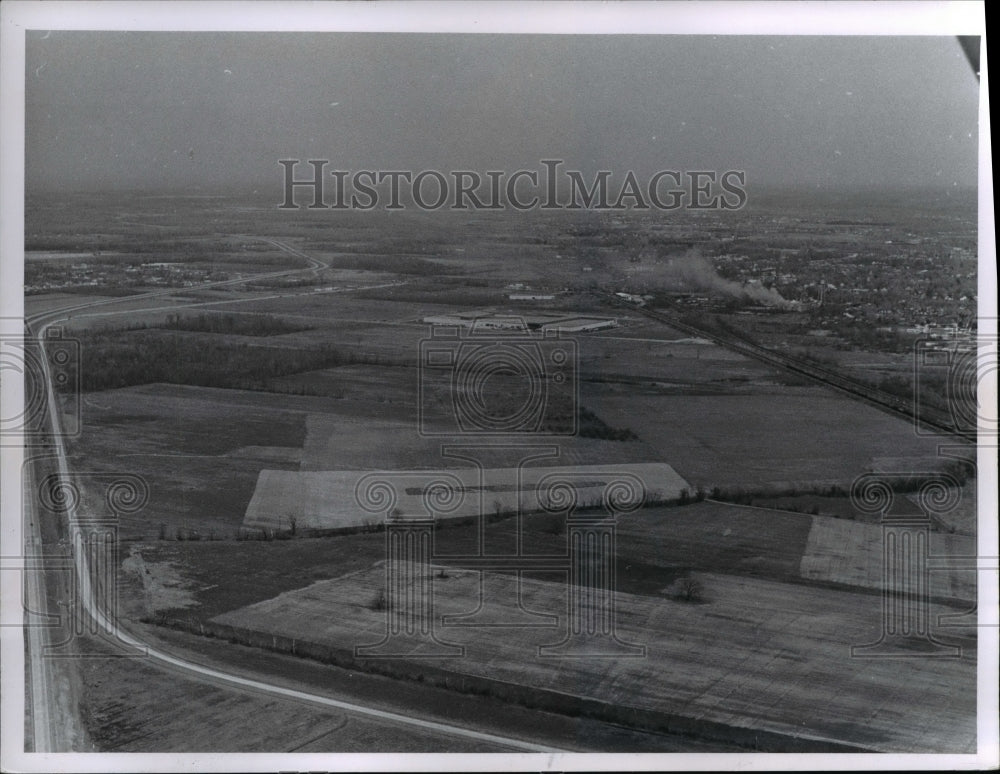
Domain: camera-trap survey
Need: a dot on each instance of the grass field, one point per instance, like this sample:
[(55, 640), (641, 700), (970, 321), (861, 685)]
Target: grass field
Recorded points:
[(655, 546), (850, 553), (759, 654), (784, 437), (198, 449), (215, 718), (201, 449), (783, 595), (329, 499)]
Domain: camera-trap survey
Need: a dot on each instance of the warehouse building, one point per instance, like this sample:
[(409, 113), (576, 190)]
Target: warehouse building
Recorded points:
[(535, 322)]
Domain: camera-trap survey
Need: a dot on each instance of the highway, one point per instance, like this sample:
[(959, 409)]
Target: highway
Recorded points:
[(43, 686)]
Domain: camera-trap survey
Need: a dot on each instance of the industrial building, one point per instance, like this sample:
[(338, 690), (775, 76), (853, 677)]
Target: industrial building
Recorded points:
[(534, 322), (580, 324)]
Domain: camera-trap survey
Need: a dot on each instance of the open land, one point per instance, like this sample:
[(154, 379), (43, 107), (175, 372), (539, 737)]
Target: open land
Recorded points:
[(300, 369), (758, 654)]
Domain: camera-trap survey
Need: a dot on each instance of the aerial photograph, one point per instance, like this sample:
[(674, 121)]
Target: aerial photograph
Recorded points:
[(386, 392)]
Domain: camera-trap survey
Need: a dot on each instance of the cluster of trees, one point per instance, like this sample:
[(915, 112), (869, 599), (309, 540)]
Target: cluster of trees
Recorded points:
[(465, 293), (379, 600), (747, 495), (686, 589), (264, 533), (114, 360), (238, 324), (685, 497)]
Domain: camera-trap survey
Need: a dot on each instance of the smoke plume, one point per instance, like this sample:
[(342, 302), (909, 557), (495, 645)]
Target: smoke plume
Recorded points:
[(691, 272)]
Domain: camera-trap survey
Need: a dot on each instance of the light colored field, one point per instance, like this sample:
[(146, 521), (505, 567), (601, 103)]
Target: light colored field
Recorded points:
[(851, 552), (159, 585), (201, 449), (758, 654), (389, 340), (328, 499), (963, 518), (346, 307)]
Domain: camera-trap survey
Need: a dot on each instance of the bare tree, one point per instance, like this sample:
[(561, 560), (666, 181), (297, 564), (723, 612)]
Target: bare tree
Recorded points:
[(687, 589)]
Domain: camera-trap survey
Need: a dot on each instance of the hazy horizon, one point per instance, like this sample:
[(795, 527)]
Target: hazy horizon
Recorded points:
[(216, 111)]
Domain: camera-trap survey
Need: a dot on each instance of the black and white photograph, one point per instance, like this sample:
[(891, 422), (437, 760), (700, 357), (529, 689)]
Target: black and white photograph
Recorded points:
[(497, 386)]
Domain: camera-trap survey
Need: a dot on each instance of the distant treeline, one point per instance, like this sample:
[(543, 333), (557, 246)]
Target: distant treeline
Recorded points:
[(136, 250), (961, 471), (441, 294), (236, 324), (117, 359), (229, 323), (395, 264), (125, 243)]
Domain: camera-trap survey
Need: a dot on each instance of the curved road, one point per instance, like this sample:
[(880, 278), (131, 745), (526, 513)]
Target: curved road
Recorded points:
[(39, 323)]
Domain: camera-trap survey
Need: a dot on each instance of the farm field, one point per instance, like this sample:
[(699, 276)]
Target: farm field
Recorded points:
[(133, 721), (201, 449), (849, 553), (790, 547), (777, 598), (655, 547), (219, 718), (776, 437), (197, 449), (334, 499), (783, 663), (963, 518), (44, 303)]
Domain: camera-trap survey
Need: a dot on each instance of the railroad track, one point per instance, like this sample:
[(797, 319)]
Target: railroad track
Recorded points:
[(826, 376)]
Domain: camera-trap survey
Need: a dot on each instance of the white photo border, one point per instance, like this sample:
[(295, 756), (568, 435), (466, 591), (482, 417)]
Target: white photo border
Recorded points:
[(556, 18)]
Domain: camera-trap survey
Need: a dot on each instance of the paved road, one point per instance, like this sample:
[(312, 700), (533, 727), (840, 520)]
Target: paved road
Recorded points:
[(42, 694), (43, 689)]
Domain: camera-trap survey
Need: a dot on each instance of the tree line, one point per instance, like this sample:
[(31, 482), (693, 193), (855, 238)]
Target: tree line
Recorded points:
[(114, 360)]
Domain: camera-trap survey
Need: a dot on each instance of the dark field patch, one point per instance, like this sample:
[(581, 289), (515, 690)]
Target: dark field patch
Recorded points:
[(655, 547), (198, 450)]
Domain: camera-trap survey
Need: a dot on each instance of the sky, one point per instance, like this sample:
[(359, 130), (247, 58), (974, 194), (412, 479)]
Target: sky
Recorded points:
[(216, 111)]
